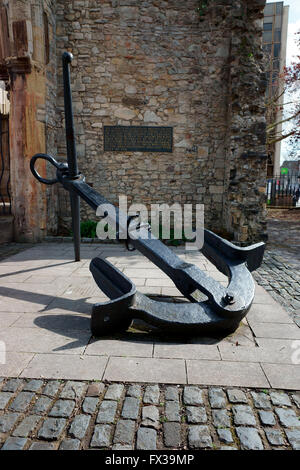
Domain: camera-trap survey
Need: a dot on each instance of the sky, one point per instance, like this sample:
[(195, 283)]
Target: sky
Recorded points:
[(294, 25), (292, 49)]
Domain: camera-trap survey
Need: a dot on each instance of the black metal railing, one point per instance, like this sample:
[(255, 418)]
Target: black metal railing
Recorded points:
[(5, 196), (283, 191)]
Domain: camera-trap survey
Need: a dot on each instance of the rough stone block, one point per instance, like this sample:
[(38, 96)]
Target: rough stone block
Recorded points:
[(249, 438), (107, 411), (146, 439), (62, 408), (172, 434), (192, 396), (130, 408), (102, 436), (199, 437), (79, 426), (52, 428)]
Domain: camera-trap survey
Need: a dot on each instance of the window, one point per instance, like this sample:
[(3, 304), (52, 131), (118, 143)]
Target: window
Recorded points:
[(276, 50), (275, 78), (267, 36), (279, 8), (277, 35), (269, 9), (268, 27), (278, 21), (268, 19)]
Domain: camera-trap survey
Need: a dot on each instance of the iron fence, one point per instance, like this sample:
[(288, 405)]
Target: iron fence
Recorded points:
[(284, 191), (5, 196)]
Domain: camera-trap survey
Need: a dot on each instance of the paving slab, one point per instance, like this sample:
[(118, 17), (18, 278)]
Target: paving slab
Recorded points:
[(111, 347), (55, 322), (9, 303), (63, 366), (37, 340), (15, 363), (265, 353), (266, 313), (7, 320), (145, 370), (186, 351), (235, 374), (283, 376), (51, 300), (276, 330)]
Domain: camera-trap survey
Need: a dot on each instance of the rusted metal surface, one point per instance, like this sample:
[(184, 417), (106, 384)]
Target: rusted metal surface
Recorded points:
[(5, 197), (20, 38), (4, 35), (28, 135)]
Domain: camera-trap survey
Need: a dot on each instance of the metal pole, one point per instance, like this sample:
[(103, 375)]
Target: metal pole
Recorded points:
[(71, 151)]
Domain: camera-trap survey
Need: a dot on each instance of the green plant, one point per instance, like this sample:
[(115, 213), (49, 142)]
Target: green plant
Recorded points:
[(88, 229), (172, 240), (162, 419), (202, 8)]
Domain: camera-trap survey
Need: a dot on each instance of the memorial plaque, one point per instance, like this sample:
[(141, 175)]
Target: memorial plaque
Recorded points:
[(138, 139)]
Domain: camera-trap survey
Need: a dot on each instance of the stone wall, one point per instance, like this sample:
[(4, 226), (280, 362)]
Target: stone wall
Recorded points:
[(51, 116), (193, 65), (245, 177), (161, 63)]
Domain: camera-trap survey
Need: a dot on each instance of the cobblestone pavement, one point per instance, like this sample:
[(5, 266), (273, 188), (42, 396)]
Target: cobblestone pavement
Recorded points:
[(284, 234), (279, 273), (57, 414), (282, 280)]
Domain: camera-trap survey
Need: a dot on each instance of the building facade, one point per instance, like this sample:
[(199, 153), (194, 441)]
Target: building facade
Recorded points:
[(274, 45), (147, 63)]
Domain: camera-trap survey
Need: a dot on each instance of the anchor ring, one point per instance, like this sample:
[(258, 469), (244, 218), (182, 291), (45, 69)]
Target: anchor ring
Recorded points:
[(50, 159)]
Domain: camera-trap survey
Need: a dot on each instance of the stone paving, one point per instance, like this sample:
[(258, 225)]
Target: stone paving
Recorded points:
[(279, 273), (41, 414), (63, 389), (45, 303)]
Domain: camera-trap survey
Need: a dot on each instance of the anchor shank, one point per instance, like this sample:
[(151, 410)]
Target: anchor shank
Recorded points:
[(187, 277)]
